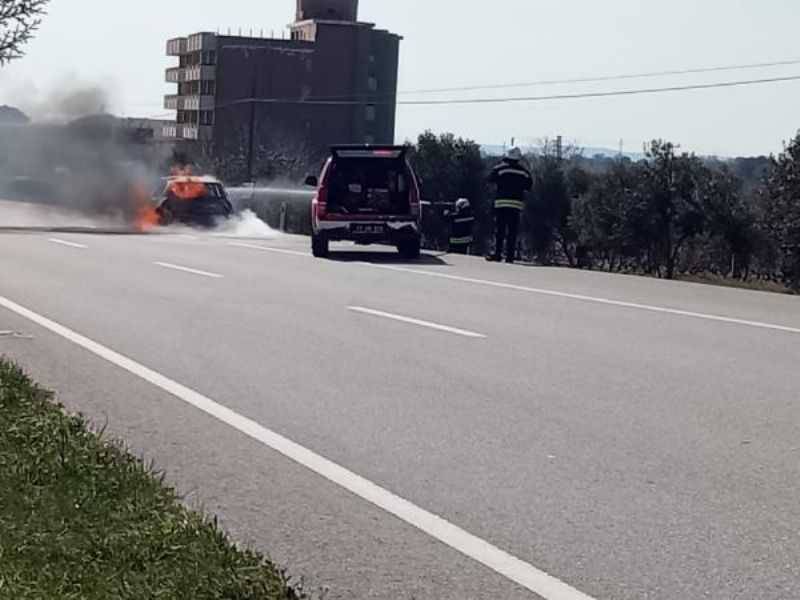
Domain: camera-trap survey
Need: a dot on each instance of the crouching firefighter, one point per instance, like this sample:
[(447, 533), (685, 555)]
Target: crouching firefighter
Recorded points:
[(461, 229), (513, 180)]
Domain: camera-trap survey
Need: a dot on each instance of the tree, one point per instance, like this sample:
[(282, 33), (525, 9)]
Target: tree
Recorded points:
[(450, 168), (731, 237), (675, 207), (548, 209), (666, 214), (779, 211), (558, 179), (610, 220), (19, 20)]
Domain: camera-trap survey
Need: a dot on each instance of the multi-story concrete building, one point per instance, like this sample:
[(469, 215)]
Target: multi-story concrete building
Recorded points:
[(332, 80)]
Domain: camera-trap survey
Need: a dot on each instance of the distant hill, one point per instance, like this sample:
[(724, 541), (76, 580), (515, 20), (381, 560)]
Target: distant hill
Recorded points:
[(12, 116)]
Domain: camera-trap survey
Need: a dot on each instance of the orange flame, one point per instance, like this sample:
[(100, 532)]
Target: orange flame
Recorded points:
[(146, 217), (187, 188), (184, 186)]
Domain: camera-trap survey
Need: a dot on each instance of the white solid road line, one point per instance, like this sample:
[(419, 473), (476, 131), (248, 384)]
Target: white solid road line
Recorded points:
[(268, 249), (412, 321), (66, 243), (188, 270), (606, 301), (557, 294), (522, 573)]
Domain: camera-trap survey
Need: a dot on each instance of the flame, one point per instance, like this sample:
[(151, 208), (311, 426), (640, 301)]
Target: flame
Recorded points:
[(146, 217), (184, 185), (187, 188)]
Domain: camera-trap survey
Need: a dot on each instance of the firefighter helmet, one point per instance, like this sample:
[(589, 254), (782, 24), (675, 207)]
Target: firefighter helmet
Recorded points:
[(514, 154)]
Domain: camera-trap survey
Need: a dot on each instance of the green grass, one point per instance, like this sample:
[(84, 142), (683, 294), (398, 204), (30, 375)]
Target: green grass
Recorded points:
[(82, 519)]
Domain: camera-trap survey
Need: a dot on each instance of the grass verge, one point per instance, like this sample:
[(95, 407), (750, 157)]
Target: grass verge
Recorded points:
[(80, 518), (751, 284)]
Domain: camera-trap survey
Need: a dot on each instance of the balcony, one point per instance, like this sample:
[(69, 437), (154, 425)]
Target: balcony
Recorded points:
[(172, 102), (177, 47), (177, 131), (169, 131), (195, 132), (201, 73), (176, 75), (198, 103), (200, 42)]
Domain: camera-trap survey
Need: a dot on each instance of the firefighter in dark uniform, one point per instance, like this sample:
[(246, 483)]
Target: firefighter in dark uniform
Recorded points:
[(463, 223), (513, 180)]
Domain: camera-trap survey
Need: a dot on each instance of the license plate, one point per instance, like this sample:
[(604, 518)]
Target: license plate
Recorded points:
[(368, 229)]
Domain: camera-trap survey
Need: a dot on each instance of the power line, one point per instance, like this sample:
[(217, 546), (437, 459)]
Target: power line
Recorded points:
[(520, 99), (372, 98), (601, 78), (634, 92)]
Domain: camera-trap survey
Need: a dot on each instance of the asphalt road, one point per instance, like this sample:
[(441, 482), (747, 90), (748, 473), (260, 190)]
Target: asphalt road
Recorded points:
[(632, 438)]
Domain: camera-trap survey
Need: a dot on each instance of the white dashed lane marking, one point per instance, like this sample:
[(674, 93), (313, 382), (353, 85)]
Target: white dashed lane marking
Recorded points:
[(189, 270), (66, 243), (413, 321)]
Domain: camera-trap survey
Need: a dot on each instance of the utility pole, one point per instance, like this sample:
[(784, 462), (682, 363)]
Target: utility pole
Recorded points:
[(559, 148)]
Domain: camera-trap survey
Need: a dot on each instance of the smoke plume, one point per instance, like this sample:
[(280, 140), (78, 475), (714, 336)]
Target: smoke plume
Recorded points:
[(65, 101)]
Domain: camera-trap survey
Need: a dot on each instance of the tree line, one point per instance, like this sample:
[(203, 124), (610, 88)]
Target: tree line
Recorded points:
[(669, 214)]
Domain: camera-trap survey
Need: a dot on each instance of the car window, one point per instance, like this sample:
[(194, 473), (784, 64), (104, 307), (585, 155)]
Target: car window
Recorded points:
[(364, 174), (214, 190)]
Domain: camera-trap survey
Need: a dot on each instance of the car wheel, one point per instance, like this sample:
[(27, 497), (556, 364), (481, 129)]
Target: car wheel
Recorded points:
[(410, 248), (319, 245)]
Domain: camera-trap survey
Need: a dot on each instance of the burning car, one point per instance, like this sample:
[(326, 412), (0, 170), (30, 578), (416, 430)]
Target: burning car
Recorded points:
[(194, 201)]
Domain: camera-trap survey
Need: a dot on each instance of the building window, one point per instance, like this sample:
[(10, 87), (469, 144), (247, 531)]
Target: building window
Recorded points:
[(209, 57), (208, 87), (372, 84), (370, 112), (206, 117)]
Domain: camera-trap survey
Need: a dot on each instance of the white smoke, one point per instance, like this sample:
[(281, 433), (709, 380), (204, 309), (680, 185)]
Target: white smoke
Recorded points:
[(246, 225), (35, 216)]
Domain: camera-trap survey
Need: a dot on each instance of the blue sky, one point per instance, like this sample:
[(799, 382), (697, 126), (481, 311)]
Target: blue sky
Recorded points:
[(120, 46)]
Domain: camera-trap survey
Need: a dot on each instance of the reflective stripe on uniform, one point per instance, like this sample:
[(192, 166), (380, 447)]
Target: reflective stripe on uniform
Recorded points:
[(457, 241), (508, 203), (513, 172), (465, 220)]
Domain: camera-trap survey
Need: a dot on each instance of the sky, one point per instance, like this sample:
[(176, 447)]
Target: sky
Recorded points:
[(120, 47)]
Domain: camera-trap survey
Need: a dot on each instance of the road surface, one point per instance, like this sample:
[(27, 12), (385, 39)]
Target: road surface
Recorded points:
[(444, 429)]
